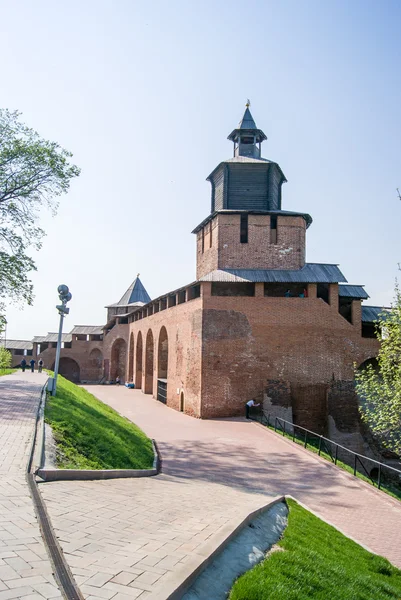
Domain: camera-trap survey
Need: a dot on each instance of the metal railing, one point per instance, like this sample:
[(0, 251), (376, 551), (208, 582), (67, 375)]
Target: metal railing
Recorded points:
[(378, 473)]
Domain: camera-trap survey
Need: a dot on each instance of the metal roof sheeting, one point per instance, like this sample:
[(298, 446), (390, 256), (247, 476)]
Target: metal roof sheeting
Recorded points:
[(352, 291), (133, 304), (17, 344), (310, 273), (52, 337), (247, 121), (87, 330), (373, 313), (135, 293)]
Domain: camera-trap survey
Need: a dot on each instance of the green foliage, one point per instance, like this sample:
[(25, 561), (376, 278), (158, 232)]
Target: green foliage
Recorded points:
[(380, 388), (318, 562), (91, 435), (5, 358), (33, 172), (7, 371)]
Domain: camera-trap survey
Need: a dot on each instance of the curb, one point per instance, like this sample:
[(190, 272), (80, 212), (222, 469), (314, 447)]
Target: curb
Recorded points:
[(54, 474), (61, 570), (319, 516), (182, 579)]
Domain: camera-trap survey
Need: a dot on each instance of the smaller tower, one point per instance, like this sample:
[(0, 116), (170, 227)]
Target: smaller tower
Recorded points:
[(247, 227), (247, 137)]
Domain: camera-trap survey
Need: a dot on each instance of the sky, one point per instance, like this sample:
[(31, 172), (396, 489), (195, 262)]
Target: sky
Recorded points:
[(144, 95)]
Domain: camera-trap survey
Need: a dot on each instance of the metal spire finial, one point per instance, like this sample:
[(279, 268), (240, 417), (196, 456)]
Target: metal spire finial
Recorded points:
[(137, 274), (248, 103)]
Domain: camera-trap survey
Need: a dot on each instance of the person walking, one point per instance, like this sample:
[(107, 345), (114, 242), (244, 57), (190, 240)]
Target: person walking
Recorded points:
[(32, 363), (40, 365), (23, 365), (248, 407)]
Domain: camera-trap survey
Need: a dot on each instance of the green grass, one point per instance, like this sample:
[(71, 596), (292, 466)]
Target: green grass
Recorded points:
[(392, 489), (318, 563), (7, 371), (91, 435)]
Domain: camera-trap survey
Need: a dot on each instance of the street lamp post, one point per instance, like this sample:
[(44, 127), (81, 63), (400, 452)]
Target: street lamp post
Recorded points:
[(65, 296)]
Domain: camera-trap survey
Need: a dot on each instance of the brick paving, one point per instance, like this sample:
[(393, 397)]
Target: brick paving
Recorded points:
[(125, 538), (25, 570)]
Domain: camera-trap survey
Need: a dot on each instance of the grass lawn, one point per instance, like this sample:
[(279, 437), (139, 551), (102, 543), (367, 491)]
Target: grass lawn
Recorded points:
[(318, 563), (7, 371), (91, 435)]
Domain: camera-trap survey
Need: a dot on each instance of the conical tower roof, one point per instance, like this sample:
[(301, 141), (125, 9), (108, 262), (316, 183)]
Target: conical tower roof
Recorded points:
[(135, 293), (247, 121), (247, 125)]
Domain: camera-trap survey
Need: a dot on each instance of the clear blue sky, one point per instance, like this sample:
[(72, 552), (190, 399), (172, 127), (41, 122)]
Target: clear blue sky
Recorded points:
[(145, 94)]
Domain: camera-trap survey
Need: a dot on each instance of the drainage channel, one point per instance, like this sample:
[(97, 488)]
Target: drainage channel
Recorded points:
[(243, 552)]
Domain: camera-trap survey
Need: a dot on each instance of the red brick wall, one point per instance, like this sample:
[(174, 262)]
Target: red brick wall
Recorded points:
[(206, 255), (227, 252), (247, 341), (183, 324), (80, 351)]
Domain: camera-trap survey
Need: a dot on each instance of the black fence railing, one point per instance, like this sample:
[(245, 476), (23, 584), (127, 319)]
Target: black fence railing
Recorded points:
[(378, 473)]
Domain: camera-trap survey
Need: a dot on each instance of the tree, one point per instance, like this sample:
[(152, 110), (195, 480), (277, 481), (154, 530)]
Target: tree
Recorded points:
[(380, 387), (5, 358), (33, 172)]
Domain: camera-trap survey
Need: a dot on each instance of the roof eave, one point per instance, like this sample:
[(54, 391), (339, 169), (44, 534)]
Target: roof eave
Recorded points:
[(284, 213)]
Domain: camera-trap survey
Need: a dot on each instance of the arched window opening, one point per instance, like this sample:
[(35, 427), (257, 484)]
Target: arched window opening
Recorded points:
[(162, 366), (149, 363), (69, 368), (118, 360), (131, 359), (139, 354)]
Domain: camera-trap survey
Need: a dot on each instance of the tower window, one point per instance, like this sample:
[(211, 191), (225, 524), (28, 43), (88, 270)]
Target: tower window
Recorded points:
[(203, 240), (247, 140), (244, 229), (273, 229)]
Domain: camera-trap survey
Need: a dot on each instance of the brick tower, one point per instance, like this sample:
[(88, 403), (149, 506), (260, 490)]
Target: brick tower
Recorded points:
[(247, 229)]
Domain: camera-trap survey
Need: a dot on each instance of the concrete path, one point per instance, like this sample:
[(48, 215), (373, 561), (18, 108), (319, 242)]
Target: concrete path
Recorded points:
[(124, 538), (25, 570)]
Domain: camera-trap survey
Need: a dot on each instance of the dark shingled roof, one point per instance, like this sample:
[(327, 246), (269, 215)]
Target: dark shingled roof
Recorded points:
[(370, 314), (352, 291), (135, 294), (310, 273)]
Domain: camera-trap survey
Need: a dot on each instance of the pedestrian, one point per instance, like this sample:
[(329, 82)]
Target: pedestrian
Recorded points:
[(117, 380), (248, 407), (23, 365), (288, 294), (40, 365), (32, 363)]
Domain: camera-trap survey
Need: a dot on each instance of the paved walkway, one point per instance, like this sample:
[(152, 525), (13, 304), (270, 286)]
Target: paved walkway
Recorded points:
[(123, 539), (25, 571)]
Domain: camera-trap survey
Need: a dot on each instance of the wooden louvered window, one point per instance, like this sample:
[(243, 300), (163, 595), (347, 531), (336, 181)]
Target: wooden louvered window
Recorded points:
[(244, 229)]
